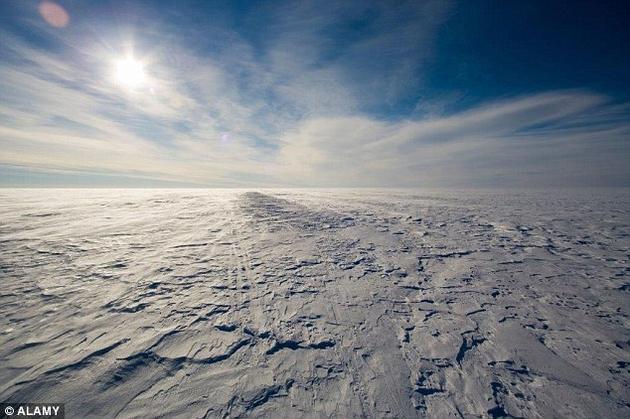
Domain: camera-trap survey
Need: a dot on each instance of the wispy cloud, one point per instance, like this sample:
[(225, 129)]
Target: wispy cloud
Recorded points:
[(526, 140)]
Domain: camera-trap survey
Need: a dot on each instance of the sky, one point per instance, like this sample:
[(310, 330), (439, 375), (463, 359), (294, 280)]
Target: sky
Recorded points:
[(496, 94)]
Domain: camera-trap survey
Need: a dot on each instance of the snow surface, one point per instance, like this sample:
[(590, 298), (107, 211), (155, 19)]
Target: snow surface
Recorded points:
[(339, 303)]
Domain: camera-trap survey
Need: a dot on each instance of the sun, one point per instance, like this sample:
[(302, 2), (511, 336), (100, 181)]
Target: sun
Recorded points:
[(130, 73)]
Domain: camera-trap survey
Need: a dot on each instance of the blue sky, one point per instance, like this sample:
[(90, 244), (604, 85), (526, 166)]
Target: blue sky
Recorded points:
[(315, 93)]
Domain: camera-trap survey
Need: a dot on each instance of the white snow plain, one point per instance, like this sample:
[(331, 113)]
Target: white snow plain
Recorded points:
[(326, 303)]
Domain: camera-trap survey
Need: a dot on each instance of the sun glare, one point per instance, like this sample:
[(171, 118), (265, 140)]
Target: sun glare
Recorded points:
[(130, 73)]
